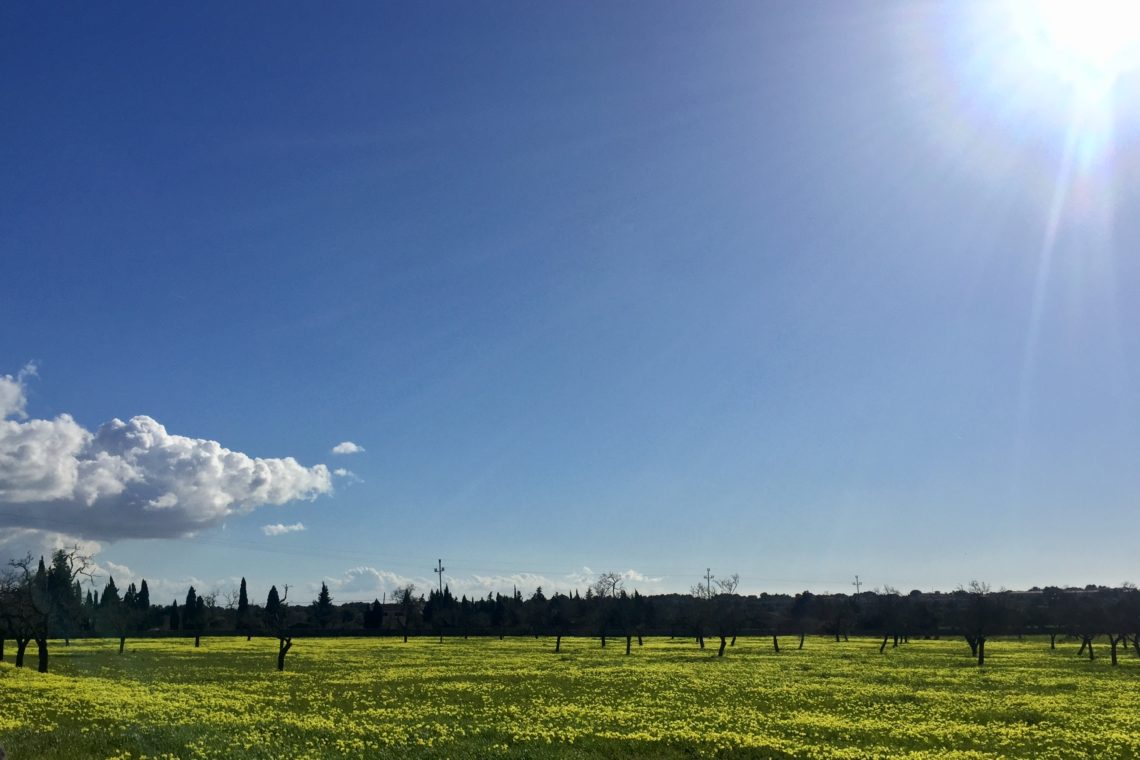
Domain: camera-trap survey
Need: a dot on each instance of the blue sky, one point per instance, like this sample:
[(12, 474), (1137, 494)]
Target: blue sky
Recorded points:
[(796, 291)]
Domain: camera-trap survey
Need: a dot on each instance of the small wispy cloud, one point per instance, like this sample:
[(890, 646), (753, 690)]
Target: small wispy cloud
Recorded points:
[(347, 447), (279, 530), (347, 474)]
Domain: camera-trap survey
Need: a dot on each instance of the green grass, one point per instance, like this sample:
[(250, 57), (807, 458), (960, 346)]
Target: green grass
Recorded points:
[(352, 698)]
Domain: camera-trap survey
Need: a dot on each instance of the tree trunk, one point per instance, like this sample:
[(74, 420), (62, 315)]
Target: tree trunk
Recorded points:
[(973, 642), (896, 644), (701, 641), (21, 647), (640, 643), (776, 643), (1090, 649), (883, 646), (558, 644), (284, 644), (628, 643), (981, 651), (197, 640), (122, 643), (42, 650), (723, 644), (732, 643), (1113, 641), (1, 649), (1081, 651), (603, 640), (248, 636), (801, 646), (1053, 640), (836, 635), (405, 634)]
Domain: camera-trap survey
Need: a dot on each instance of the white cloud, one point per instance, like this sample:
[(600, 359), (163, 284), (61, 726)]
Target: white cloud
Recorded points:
[(347, 447), (13, 399), (130, 479), (16, 543), (367, 583), (279, 529), (348, 475), (632, 577)]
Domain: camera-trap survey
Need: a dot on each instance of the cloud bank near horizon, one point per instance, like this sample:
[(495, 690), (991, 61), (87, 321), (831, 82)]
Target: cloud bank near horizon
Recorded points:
[(364, 583), (129, 479)]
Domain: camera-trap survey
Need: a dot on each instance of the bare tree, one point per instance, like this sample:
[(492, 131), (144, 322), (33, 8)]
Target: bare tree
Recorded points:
[(979, 615), (277, 622), (606, 590), (41, 598), (888, 616), (16, 617), (229, 604), (609, 584), (726, 610), (406, 598)]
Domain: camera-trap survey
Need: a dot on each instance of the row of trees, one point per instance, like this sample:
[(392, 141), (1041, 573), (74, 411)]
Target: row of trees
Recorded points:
[(42, 601)]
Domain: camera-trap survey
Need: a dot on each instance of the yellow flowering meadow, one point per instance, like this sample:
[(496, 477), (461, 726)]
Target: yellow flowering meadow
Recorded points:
[(361, 698)]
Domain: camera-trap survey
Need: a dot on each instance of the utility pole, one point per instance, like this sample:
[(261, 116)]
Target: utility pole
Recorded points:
[(708, 582), (857, 584), (439, 568)]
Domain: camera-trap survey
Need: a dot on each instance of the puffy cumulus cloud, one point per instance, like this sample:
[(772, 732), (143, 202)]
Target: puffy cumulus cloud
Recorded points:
[(20, 542), (279, 529), (367, 583), (347, 447), (133, 478), (13, 399)]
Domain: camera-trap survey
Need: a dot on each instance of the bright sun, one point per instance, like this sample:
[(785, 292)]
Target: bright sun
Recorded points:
[(1087, 44)]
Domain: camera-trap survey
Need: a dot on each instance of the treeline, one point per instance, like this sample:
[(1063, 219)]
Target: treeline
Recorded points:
[(45, 601)]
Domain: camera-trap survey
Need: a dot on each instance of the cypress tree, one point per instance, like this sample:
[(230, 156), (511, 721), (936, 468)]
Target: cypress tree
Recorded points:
[(272, 603), (189, 609), (243, 611), (323, 607), (110, 593)]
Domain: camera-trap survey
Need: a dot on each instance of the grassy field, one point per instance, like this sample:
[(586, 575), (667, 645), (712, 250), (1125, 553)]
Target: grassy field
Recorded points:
[(489, 698)]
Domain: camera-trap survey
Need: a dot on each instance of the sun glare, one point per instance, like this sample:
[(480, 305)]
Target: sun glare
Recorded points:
[(1087, 44)]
